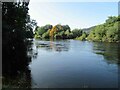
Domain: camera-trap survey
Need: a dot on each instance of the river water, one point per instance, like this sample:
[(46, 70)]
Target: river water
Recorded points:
[(74, 64)]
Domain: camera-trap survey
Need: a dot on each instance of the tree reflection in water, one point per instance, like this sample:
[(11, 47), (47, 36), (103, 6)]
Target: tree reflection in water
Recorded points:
[(53, 45), (113, 57), (15, 70), (105, 49)]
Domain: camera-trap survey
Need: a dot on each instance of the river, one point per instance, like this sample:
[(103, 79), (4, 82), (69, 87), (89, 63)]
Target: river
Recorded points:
[(74, 64)]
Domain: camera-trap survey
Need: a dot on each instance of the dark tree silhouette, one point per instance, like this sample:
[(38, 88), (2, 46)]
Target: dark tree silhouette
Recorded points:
[(16, 28)]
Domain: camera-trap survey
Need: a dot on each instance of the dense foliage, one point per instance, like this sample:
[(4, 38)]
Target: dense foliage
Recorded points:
[(108, 32), (56, 32), (17, 27), (82, 37)]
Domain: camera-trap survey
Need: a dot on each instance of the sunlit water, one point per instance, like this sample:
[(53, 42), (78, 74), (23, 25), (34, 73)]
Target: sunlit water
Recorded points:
[(74, 64)]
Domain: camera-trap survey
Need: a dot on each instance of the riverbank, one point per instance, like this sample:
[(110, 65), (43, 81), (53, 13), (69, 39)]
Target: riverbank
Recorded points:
[(85, 39)]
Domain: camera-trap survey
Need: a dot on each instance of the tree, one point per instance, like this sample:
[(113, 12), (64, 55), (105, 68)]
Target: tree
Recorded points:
[(15, 29), (46, 35), (83, 37), (67, 33), (53, 32), (76, 33), (109, 31)]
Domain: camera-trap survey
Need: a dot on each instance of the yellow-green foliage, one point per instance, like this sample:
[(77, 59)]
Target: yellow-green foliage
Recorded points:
[(83, 37)]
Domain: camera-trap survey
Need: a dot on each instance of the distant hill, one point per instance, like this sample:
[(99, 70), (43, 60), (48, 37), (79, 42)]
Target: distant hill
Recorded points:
[(87, 30)]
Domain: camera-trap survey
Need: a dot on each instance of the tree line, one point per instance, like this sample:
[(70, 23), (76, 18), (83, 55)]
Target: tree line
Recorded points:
[(56, 32), (106, 32)]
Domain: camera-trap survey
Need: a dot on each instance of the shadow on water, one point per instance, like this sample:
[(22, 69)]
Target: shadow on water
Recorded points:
[(110, 51), (15, 61)]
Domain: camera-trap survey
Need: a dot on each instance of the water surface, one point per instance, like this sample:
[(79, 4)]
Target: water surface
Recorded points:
[(74, 64)]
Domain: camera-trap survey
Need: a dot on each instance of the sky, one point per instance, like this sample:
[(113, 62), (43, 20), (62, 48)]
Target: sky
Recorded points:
[(75, 14)]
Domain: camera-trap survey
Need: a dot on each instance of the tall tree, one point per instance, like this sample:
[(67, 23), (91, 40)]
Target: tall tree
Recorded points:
[(15, 26)]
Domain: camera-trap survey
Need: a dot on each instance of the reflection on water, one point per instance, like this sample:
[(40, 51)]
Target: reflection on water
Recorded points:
[(72, 63), (60, 64), (110, 51), (57, 46)]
